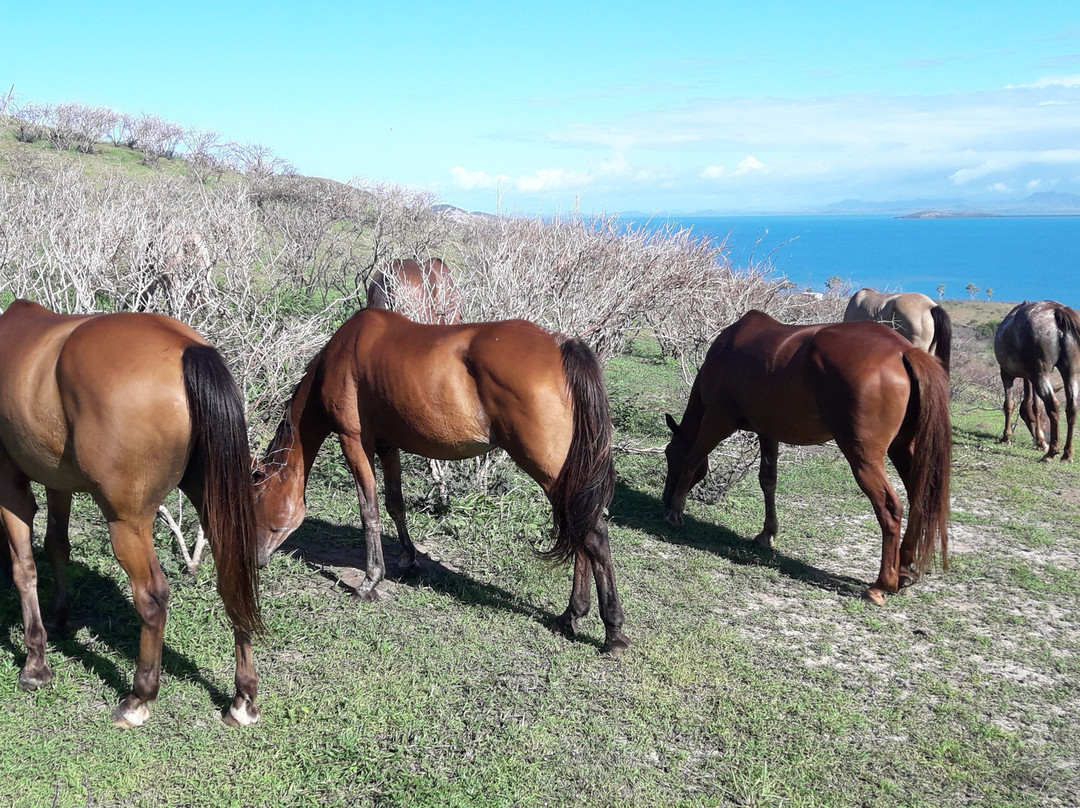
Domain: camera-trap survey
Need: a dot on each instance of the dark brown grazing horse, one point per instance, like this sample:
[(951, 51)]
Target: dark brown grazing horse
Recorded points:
[(861, 384), (125, 407), (425, 293), (1032, 340), (914, 315), (385, 384)]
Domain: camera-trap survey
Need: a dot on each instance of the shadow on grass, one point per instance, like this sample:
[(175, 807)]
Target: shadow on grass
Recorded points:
[(101, 605), (640, 511), (326, 548)]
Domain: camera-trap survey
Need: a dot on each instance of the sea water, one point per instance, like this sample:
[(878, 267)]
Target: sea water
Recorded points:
[(1006, 258)]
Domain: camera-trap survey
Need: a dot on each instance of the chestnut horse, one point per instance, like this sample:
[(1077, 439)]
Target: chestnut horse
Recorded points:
[(125, 407), (1032, 340), (861, 384), (385, 384), (922, 321), (425, 293)]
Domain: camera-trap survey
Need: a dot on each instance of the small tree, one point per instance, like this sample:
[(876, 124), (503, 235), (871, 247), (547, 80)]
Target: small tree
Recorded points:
[(941, 291), (989, 293), (972, 290)]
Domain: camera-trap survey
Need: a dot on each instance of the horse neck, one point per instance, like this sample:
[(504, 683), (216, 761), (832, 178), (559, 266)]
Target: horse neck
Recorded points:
[(693, 415), (310, 425)]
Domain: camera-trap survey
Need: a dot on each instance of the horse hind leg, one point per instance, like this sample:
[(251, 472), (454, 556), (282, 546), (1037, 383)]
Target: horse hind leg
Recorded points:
[(395, 505), (1007, 407), (1044, 389), (132, 542), (17, 516), (889, 511), (58, 549), (1032, 417), (598, 550)]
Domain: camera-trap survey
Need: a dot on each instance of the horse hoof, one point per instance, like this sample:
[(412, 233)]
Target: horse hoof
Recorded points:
[(125, 716), (30, 680), (875, 596), (907, 578), (765, 541), (674, 518), (615, 645), (565, 624), (243, 715)]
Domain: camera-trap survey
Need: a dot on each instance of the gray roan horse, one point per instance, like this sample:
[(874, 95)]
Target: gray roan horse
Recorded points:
[(926, 324), (425, 293), (1032, 340)]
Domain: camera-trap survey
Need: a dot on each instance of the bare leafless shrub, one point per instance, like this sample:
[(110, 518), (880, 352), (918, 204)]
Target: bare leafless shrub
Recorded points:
[(256, 161), (31, 122), (204, 155), (153, 137), (79, 127), (401, 223)]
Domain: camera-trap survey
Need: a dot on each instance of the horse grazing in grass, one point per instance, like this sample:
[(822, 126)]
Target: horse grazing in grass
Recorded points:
[(425, 293), (861, 384), (125, 407), (385, 384), (1032, 340), (926, 324)]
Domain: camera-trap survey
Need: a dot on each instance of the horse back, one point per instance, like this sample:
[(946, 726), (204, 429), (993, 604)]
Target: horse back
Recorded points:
[(443, 391), (796, 384)]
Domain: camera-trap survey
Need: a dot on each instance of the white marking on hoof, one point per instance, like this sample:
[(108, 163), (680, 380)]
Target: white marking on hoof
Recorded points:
[(243, 717), (131, 718)]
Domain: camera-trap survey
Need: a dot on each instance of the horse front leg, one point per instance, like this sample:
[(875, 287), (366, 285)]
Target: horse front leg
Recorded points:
[(1030, 415), (133, 545), (17, 515), (770, 453), (360, 462)]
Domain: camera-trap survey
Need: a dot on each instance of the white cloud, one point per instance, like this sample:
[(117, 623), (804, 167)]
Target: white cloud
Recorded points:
[(713, 172), (552, 179), (1054, 81), (470, 180), (748, 164)]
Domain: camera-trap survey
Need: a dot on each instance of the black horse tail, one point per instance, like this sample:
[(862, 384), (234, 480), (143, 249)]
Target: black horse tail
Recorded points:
[(228, 500), (942, 336), (931, 451), (587, 478)]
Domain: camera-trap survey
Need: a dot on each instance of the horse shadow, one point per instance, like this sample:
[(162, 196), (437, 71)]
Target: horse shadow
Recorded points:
[(334, 551), (645, 512), (99, 604)]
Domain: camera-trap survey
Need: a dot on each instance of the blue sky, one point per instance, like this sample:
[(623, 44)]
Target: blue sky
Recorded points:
[(669, 107)]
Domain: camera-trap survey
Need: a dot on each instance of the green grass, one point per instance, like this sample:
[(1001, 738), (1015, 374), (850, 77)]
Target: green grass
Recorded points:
[(755, 677)]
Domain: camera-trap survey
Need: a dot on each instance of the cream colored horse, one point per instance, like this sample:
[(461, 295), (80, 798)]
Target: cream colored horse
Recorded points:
[(925, 324)]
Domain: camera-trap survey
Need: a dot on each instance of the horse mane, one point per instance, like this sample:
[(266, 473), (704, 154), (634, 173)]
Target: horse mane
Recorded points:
[(586, 481)]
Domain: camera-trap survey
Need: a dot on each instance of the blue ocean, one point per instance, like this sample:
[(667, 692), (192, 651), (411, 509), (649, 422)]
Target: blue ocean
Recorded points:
[(1018, 258)]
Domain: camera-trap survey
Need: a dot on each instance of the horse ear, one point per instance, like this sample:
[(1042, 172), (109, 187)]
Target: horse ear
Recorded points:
[(674, 427)]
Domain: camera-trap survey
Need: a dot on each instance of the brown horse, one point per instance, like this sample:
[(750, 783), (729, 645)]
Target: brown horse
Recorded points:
[(385, 384), (425, 293), (1032, 340), (125, 407), (922, 321), (859, 383)]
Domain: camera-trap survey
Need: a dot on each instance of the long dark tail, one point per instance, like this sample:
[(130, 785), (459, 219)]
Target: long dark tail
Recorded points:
[(228, 501), (942, 336), (587, 479), (928, 494)]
